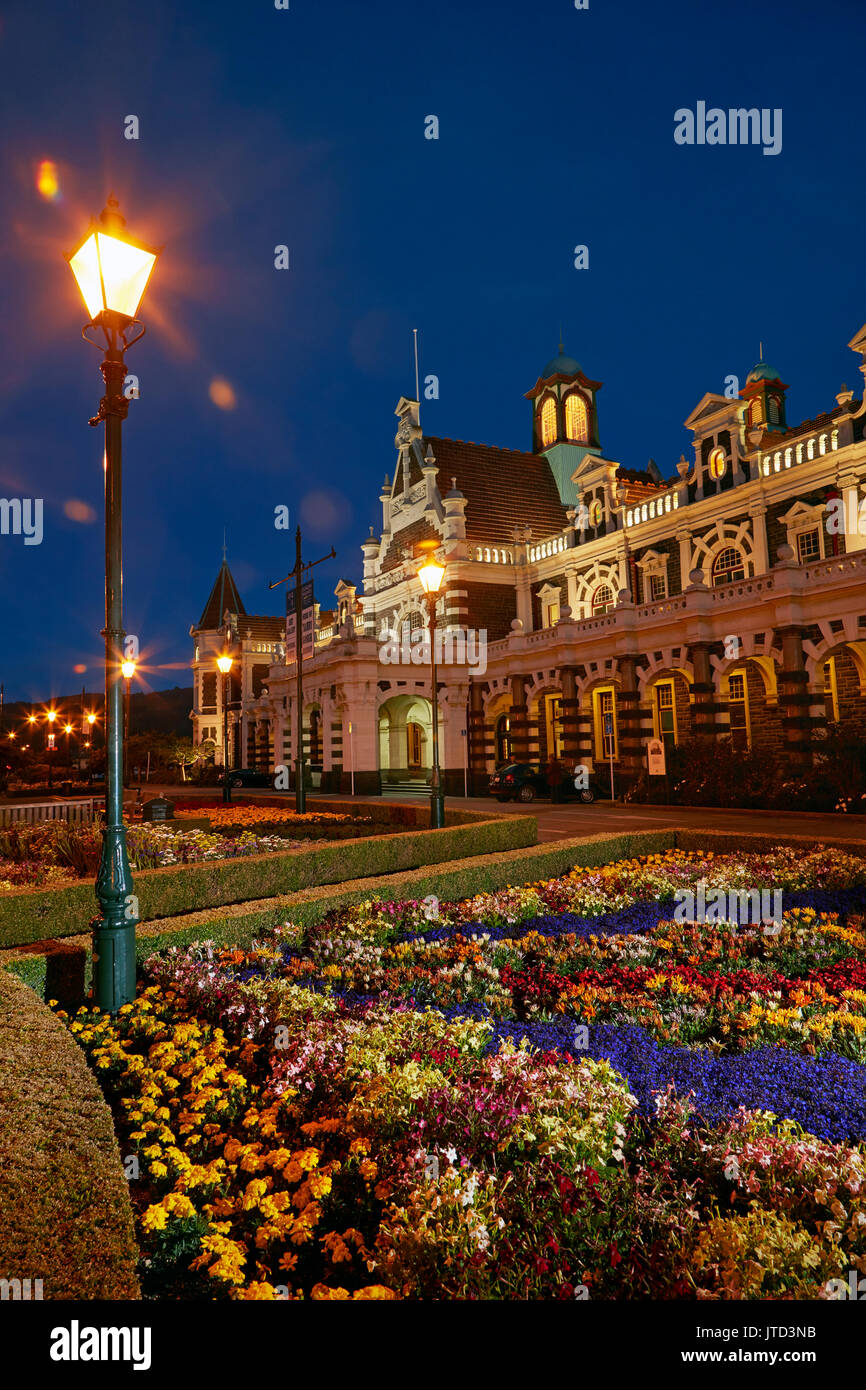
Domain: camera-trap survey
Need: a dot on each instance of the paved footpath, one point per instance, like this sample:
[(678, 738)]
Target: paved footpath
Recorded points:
[(563, 822)]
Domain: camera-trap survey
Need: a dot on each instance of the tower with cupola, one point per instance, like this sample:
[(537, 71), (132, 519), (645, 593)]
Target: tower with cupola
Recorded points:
[(564, 420), (764, 394)]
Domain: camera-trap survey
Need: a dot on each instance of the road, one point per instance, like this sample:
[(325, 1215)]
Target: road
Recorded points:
[(562, 822)]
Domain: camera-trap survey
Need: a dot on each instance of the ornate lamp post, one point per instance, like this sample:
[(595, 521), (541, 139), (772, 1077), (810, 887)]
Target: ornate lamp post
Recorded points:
[(112, 272), (431, 575), (225, 664)]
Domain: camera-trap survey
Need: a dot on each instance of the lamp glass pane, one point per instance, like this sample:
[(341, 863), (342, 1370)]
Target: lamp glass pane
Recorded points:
[(125, 273), (431, 577), (85, 267)]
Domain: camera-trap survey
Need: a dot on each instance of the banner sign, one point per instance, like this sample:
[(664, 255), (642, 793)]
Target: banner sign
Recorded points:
[(308, 623)]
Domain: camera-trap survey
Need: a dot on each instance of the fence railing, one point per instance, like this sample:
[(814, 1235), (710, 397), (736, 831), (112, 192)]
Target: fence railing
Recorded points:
[(33, 812)]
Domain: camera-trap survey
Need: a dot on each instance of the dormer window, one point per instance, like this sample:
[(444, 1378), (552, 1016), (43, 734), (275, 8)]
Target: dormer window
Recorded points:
[(548, 421), (576, 418), (596, 512)]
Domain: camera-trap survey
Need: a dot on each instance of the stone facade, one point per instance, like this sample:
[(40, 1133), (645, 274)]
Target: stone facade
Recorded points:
[(728, 600)]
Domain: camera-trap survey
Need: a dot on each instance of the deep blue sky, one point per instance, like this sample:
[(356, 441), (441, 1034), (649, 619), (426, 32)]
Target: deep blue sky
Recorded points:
[(306, 127)]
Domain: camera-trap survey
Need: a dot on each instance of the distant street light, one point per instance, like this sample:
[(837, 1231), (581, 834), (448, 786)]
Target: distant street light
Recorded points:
[(431, 575), (112, 271), (225, 664)]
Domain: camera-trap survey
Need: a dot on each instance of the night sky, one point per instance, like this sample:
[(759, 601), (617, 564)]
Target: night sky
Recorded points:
[(305, 127)]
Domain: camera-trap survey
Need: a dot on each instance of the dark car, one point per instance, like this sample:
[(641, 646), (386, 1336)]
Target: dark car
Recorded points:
[(525, 782), (249, 777)]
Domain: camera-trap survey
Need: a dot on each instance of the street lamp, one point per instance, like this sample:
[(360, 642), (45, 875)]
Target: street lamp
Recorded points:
[(431, 575), (49, 745), (112, 271), (225, 664)]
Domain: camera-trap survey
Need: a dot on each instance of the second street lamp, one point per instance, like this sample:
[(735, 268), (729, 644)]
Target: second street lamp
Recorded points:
[(431, 575), (112, 271), (225, 664)]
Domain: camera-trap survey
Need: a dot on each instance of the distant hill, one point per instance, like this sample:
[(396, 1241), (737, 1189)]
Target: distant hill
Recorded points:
[(158, 712)]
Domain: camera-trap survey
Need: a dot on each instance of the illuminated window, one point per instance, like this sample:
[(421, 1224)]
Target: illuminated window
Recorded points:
[(602, 600), (665, 714), (808, 546), (728, 566), (738, 709), (576, 417), (831, 691), (503, 740), (553, 725), (605, 723), (756, 414), (548, 421), (658, 587), (717, 464), (551, 612), (596, 512)]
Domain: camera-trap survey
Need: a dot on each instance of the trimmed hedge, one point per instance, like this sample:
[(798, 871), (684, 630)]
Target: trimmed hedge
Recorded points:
[(64, 972), (33, 914), (65, 1214)]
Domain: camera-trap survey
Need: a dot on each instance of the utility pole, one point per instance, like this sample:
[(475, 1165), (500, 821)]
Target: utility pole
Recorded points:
[(297, 575)]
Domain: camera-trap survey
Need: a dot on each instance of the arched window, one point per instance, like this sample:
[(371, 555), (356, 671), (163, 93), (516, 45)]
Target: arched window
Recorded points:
[(717, 464), (756, 414), (728, 566), (548, 421), (576, 417), (596, 512), (773, 410), (602, 600)]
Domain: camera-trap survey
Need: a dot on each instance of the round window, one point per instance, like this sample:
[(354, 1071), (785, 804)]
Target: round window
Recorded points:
[(718, 464)]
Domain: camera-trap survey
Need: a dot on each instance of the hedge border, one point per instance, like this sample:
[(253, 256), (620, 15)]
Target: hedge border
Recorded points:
[(63, 970), (65, 1213), (168, 892)]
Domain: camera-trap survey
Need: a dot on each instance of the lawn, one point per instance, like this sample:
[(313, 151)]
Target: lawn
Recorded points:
[(562, 1090)]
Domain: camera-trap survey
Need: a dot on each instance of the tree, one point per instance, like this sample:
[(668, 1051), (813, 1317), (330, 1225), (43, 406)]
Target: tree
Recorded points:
[(184, 754)]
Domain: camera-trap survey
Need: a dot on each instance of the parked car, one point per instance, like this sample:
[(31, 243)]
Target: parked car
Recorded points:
[(525, 782), (250, 777)]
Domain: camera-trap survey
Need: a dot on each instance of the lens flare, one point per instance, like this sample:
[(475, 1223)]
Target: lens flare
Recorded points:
[(78, 511), (222, 393), (48, 181)]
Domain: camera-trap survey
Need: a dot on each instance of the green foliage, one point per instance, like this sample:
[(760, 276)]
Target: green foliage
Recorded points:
[(34, 914), (65, 1215)]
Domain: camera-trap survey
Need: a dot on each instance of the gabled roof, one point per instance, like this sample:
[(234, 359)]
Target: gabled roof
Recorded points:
[(224, 595), (503, 488)]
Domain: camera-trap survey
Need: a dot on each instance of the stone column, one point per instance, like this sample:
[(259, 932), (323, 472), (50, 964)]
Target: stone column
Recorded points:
[(481, 743), (703, 691), (794, 697), (518, 720), (629, 718)]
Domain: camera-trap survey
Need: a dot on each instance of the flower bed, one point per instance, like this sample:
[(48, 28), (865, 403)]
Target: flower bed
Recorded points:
[(554, 1091), (62, 854)]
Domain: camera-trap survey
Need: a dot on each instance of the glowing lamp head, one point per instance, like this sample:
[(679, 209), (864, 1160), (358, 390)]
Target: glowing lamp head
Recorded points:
[(110, 269), (31, 719), (91, 718), (128, 669), (52, 715), (431, 575), (225, 664), (67, 728)]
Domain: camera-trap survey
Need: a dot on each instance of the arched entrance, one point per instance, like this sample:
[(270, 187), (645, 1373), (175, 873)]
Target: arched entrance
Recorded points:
[(405, 740)]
